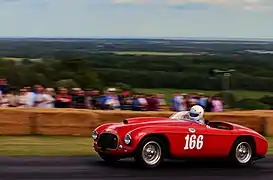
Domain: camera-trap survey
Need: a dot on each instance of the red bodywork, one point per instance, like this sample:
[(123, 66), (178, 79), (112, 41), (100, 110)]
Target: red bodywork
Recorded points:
[(215, 141)]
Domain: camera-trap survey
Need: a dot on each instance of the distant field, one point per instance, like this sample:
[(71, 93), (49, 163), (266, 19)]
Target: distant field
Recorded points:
[(11, 58), (16, 59), (155, 53), (240, 94)]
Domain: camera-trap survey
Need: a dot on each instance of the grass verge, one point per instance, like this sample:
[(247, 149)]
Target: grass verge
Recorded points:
[(55, 146), (46, 146)]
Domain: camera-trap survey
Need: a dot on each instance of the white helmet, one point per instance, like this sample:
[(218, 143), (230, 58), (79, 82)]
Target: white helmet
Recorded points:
[(196, 113)]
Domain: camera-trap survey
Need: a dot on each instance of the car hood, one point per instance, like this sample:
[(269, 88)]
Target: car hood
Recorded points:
[(132, 123)]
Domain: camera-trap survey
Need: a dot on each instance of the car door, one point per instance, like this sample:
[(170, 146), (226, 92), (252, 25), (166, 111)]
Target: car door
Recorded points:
[(217, 142), (194, 141)]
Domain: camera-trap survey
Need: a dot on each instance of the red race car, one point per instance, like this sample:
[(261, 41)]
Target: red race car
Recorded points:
[(150, 140)]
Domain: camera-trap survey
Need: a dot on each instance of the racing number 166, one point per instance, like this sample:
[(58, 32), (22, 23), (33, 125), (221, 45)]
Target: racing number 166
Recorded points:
[(192, 142)]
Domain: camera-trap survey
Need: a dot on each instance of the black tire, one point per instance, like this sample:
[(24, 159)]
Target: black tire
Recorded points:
[(159, 158), (109, 159), (247, 157)]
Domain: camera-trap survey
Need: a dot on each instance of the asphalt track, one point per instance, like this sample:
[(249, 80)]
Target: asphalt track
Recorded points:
[(92, 168)]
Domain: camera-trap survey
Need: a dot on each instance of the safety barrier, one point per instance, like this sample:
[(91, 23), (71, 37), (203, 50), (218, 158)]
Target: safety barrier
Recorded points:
[(81, 122)]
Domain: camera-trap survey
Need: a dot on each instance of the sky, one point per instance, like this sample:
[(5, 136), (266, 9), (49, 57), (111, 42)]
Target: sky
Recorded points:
[(137, 18)]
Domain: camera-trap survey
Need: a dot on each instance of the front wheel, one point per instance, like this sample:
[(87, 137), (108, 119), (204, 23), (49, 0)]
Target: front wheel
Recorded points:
[(108, 158), (150, 152), (242, 152)]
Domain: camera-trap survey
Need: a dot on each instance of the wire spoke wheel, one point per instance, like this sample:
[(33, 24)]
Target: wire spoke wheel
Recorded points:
[(243, 152), (151, 153)]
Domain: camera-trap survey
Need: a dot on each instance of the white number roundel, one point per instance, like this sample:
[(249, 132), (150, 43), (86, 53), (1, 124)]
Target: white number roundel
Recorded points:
[(192, 142)]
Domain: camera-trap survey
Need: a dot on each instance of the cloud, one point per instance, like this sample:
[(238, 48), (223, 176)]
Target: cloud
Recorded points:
[(130, 1), (167, 2), (257, 5), (195, 1), (192, 6), (249, 5)]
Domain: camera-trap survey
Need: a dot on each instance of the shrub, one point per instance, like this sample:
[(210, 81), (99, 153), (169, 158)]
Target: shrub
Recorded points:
[(250, 104), (267, 100), (228, 97)]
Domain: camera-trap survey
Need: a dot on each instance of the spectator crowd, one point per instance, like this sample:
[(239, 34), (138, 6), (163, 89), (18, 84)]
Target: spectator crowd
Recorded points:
[(109, 99)]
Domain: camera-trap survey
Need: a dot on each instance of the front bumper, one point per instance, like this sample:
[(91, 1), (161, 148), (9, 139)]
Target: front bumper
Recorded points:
[(122, 150)]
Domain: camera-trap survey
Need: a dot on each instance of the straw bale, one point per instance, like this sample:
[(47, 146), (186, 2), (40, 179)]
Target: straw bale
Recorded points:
[(82, 122), (66, 122), (15, 122), (66, 130)]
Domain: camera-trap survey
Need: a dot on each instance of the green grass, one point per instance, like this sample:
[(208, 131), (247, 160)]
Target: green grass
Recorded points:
[(154, 53), (46, 146), (55, 146), (240, 94), (270, 145)]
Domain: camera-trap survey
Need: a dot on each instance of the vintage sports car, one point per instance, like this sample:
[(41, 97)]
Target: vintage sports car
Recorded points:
[(150, 140)]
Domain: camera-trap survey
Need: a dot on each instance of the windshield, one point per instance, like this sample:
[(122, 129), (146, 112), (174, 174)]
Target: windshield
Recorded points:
[(183, 115)]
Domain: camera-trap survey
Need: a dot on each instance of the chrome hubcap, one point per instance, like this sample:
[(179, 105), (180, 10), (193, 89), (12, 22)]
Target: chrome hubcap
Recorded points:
[(151, 153), (243, 152)]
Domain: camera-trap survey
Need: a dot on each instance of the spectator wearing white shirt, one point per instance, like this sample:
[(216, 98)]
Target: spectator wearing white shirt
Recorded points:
[(30, 97), (51, 92), (112, 100), (48, 99), (39, 97), (23, 99), (116, 103), (177, 102), (43, 99), (142, 101)]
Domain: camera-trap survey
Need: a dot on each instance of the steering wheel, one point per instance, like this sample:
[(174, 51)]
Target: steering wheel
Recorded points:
[(206, 122)]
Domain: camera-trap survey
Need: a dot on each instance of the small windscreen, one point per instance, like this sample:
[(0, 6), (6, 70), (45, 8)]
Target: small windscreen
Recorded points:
[(183, 115)]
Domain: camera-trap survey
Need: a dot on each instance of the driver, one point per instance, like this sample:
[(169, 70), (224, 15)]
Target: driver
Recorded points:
[(196, 114)]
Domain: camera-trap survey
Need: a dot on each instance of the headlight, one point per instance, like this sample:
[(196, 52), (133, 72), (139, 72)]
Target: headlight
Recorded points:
[(95, 135), (127, 139)]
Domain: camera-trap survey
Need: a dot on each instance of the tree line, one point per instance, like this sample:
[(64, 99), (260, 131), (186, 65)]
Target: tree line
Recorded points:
[(105, 69), (45, 48)]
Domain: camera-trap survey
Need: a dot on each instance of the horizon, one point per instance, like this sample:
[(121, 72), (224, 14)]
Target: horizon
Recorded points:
[(140, 37)]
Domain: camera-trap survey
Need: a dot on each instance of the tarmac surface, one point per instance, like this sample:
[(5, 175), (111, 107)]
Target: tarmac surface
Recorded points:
[(93, 168)]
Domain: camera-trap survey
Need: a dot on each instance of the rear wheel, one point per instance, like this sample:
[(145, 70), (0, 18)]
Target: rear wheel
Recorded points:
[(150, 152), (242, 152), (108, 158)]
